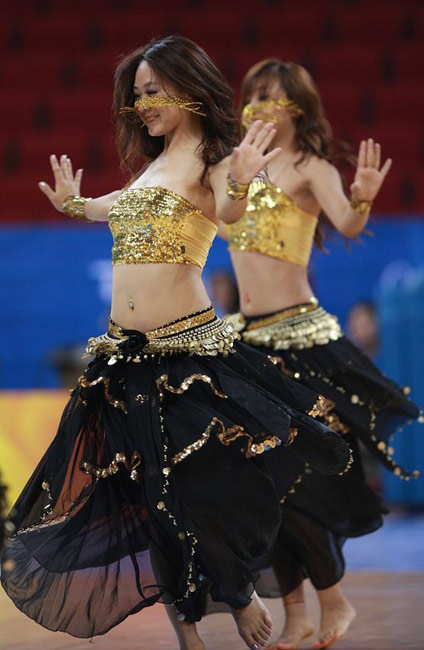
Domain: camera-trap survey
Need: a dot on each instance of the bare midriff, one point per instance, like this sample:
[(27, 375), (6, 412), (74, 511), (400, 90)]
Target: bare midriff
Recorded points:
[(157, 293), (267, 284)]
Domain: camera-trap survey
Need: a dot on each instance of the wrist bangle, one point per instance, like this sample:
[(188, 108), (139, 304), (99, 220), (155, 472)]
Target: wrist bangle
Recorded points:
[(73, 206), (236, 191), (361, 207)]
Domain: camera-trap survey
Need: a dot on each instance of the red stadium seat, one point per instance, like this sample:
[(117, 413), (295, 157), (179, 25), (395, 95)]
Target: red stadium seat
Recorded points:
[(56, 78), (360, 64)]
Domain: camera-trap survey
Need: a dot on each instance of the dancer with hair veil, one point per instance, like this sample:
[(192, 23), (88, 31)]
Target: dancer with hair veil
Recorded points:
[(179, 441), (270, 248)]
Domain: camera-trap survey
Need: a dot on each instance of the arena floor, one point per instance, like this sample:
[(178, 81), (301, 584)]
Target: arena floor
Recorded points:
[(385, 582)]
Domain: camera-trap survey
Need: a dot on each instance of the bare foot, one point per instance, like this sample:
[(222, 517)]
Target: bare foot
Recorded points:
[(336, 618), (296, 628), (254, 623)]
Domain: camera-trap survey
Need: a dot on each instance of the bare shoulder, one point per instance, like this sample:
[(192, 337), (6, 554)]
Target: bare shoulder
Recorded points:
[(316, 168)]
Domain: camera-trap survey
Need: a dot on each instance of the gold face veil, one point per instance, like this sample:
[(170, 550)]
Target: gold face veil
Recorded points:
[(265, 110), (162, 101)]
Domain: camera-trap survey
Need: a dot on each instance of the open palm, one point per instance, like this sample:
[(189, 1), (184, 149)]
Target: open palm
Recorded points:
[(66, 182), (249, 157), (369, 177)]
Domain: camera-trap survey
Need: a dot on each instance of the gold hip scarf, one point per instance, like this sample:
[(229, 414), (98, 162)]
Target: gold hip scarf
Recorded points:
[(301, 326), (202, 333)]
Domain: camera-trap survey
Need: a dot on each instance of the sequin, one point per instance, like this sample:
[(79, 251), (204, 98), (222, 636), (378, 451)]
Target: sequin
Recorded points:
[(162, 384), (162, 101), (321, 407), (273, 225), (202, 334), (198, 444), (268, 110), (293, 328), (156, 225), (227, 436), (113, 467), (85, 383)]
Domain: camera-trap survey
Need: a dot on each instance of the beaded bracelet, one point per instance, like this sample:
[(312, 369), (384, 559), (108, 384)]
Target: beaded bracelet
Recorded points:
[(73, 206), (236, 191), (361, 207)]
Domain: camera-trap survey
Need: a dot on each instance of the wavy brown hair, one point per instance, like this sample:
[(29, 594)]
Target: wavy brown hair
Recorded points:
[(314, 135), (187, 66)]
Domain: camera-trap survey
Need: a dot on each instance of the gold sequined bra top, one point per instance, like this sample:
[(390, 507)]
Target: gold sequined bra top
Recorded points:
[(154, 224), (273, 225)]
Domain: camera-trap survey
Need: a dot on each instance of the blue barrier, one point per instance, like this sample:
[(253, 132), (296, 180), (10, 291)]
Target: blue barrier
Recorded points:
[(55, 291), (400, 301)]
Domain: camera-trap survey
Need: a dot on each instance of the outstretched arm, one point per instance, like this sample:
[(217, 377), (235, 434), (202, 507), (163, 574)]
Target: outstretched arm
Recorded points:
[(239, 169), (349, 217), (67, 184)]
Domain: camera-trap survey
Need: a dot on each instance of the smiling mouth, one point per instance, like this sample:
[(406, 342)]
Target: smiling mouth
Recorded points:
[(149, 120)]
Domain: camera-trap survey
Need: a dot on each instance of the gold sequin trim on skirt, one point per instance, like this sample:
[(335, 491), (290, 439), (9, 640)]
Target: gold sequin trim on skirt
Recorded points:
[(113, 467), (227, 436), (84, 383), (162, 384)]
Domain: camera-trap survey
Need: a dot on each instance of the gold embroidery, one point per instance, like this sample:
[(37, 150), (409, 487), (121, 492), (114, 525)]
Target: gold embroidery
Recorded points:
[(113, 467), (312, 327), (227, 436), (162, 383), (84, 383), (348, 464), (333, 421), (182, 324), (273, 225), (213, 337), (162, 101), (198, 444), (304, 308), (264, 110), (292, 435), (321, 407), (156, 225), (292, 488), (279, 361)]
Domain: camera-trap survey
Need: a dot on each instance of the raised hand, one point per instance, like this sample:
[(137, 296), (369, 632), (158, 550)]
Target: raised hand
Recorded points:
[(369, 177), (249, 157), (66, 182)]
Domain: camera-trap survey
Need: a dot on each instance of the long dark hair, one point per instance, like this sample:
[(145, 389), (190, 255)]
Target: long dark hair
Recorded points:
[(314, 135), (187, 66)]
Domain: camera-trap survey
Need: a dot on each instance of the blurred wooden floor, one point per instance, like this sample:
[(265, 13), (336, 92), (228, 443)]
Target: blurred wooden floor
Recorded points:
[(390, 610)]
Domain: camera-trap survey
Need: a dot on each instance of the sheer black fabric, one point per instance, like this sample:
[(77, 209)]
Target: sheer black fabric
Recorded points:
[(155, 481), (320, 512)]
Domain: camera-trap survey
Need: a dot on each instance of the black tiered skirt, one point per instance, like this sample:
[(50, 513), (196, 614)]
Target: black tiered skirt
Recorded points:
[(320, 512), (167, 472)]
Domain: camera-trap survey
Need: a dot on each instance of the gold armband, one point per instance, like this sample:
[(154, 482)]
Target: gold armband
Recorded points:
[(73, 206), (361, 207), (236, 191)]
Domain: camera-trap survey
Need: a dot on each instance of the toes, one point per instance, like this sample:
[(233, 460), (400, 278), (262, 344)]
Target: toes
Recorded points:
[(266, 631), (249, 640), (260, 637), (327, 640), (268, 620)]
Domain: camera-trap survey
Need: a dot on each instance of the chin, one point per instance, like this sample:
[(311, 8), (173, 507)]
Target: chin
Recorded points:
[(157, 130)]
